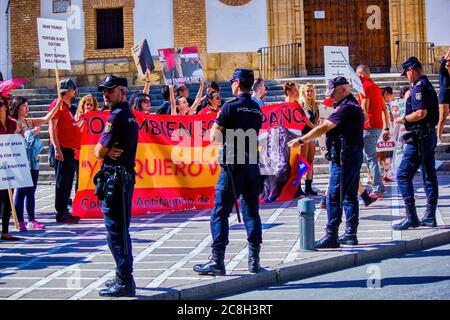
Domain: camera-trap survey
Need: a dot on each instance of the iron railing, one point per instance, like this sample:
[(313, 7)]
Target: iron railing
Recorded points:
[(282, 61), (424, 51)]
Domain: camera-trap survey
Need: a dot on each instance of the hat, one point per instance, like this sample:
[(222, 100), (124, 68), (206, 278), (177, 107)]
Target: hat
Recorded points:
[(410, 63), (111, 82), (66, 85), (245, 75), (334, 83)]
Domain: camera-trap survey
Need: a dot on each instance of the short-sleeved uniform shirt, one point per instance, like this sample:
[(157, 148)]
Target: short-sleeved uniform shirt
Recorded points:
[(375, 109), (67, 130), (349, 121), (241, 113), (423, 97), (121, 131)]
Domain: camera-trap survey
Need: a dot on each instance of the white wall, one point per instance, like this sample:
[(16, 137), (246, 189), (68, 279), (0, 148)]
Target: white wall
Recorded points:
[(437, 13), (75, 26), (5, 68), (153, 20), (236, 29)]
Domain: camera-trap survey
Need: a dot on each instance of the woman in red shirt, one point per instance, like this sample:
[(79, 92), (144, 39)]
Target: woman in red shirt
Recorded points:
[(7, 126), (214, 101)]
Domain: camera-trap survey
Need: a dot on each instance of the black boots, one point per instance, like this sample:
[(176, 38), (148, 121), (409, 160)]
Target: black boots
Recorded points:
[(330, 241), (300, 192), (411, 221), (215, 266), (118, 287), (308, 188), (429, 218), (253, 259), (368, 200), (349, 237)]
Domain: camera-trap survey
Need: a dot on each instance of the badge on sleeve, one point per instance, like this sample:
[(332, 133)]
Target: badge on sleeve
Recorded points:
[(108, 127), (419, 96)]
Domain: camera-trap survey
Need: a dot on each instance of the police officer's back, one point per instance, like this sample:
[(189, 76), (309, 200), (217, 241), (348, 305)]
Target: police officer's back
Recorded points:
[(421, 118), (239, 123), (115, 183)]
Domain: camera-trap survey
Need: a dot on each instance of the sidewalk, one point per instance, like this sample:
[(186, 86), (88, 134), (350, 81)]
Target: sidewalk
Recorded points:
[(73, 261)]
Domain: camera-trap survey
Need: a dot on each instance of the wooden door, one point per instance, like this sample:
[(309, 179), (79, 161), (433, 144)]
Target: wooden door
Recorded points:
[(362, 25)]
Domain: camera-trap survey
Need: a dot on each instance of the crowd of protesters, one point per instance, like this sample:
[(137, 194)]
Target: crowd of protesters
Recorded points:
[(65, 125)]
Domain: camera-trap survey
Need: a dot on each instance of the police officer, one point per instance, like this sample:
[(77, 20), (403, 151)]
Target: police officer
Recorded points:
[(237, 127), (115, 183), (422, 116), (344, 130)]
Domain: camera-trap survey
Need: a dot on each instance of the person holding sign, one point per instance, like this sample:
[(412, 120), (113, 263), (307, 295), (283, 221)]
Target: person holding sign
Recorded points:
[(180, 105), (29, 128), (65, 135), (7, 126)]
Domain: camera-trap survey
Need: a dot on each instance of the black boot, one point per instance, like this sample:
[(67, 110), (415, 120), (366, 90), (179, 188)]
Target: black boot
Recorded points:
[(330, 241), (411, 221), (120, 288), (308, 188), (300, 192), (111, 282), (368, 200), (429, 217), (253, 259), (349, 237), (215, 266)]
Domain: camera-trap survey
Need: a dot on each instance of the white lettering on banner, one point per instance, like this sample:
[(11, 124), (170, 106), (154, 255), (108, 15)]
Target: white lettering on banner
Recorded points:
[(53, 44), (14, 165)]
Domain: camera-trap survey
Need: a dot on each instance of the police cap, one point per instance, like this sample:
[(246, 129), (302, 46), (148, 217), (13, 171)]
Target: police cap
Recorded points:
[(111, 82), (244, 75), (412, 62), (66, 85), (334, 83)]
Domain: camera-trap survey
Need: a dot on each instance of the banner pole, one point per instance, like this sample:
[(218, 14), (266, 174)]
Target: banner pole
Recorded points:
[(13, 209)]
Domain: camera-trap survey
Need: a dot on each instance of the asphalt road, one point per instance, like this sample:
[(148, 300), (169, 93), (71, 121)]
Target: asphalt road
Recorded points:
[(416, 276)]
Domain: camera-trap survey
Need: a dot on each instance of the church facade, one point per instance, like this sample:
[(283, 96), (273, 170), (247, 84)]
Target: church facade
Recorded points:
[(228, 34)]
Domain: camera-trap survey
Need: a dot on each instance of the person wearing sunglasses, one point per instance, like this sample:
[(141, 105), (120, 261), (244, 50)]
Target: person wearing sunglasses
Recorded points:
[(214, 102), (142, 103)]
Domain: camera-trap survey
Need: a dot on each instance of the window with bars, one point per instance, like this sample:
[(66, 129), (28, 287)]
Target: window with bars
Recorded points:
[(110, 28)]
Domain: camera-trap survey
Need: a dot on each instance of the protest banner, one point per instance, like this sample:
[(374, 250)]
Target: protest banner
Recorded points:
[(14, 166), (176, 166), (53, 46), (142, 58), (181, 65)]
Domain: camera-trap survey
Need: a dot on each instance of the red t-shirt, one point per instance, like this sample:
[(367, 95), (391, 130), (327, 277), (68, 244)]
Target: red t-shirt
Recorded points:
[(11, 126), (68, 132), (208, 110), (375, 109)]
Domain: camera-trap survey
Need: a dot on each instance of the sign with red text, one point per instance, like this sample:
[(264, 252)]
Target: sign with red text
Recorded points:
[(53, 44)]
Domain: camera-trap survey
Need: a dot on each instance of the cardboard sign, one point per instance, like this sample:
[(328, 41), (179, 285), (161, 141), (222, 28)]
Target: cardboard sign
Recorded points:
[(53, 44), (181, 65), (14, 164), (336, 61), (142, 57)]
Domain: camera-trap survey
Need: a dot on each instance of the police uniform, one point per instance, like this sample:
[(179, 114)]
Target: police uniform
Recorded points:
[(421, 141), (345, 151), (121, 131), (242, 113)]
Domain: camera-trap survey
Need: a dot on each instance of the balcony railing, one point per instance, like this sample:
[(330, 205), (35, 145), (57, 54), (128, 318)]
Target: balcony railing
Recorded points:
[(424, 51), (282, 61)]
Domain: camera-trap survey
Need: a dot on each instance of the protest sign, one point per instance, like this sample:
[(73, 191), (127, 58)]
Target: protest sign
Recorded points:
[(176, 165), (142, 58), (181, 65)]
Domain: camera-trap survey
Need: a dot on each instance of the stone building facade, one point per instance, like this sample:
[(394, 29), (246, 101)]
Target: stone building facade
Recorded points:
[(228, 33)]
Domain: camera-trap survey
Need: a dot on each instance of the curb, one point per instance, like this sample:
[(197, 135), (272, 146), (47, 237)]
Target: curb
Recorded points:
[(347, 257)]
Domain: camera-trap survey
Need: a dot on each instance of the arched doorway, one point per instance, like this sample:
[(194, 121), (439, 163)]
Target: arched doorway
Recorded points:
[(362, 25)]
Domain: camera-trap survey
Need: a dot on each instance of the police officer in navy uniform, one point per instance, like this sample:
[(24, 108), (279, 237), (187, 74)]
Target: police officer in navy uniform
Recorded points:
[(344, 130), (236, 126), (115, 182), (422, 116)]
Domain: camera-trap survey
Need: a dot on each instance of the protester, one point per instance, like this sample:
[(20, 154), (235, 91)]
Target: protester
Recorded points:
[(444, 94), (259, 91), (143, 103), (180, 105), (385, 158), (30, 129), (65, 136), (214, 102), (7, 126), (292, 95), (374, 107), (308, 101), (165, 107), (183, 91), (87, 104), (210, 86)]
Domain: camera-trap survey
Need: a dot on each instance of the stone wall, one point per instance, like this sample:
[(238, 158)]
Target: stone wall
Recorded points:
[(189, 18)]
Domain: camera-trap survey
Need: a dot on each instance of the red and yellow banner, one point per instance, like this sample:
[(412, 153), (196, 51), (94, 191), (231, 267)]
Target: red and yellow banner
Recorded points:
[(176, 167)]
